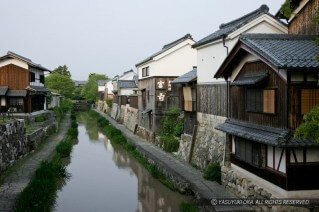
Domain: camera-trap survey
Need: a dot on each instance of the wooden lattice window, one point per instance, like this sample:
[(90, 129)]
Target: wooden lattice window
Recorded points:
[(309, 99), (259, 100), (248, 151), (269, 101), (254, 100)]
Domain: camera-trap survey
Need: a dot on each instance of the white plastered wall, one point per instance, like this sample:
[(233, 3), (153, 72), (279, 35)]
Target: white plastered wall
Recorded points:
[(211, 56)]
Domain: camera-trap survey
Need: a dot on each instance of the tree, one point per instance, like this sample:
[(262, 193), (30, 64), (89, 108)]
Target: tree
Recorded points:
[(286, 9), (61, 84), (77, 93), (90, 90), (310, 127), (63, 70)]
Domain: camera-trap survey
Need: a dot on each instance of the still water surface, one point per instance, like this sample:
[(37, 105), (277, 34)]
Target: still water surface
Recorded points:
[(105, 178)]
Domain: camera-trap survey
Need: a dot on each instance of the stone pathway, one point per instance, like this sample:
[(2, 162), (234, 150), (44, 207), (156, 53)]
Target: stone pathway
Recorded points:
[(205, 189), (20, 174)]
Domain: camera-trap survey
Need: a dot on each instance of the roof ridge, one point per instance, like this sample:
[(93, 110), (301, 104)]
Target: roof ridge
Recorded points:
[(185, 37), (262, 9), (277, 36)]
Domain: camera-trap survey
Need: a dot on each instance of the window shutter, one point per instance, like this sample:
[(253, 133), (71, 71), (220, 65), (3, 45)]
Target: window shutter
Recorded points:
[(32, 76), (309, 99), (269, 101)]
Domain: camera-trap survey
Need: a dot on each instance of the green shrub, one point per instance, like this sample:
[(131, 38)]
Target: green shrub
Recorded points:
[(170, 143), (73, 133), (119, 139), (40, 193), (172, 124), (74, 124), (73, 117), (112, 131), (66, 105), (64, 148), (153, 171), (58, 112), (102, 121), (129, 147), (213, 173), (188, 207), (41, 118), (109, 103)]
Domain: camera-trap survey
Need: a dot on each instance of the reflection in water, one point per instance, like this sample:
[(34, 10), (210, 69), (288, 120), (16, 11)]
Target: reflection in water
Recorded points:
[(109, 179)]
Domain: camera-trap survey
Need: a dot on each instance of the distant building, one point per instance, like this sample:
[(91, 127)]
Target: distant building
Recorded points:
[(79, 83), (55, 100), (124, 86), (101, 89), (22, 84), (155, 75)]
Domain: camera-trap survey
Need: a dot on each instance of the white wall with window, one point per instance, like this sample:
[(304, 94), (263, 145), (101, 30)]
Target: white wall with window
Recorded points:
[(36, 77)]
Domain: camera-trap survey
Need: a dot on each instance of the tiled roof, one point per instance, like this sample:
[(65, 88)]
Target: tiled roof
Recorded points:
[(165, 48), (77, 83), (101, 82), (3, 90), (17, 93), (226, 29), (285, 50), (126, 84), (251, 79), (27, 60), (186, 78), (38, 88), (264, 134)]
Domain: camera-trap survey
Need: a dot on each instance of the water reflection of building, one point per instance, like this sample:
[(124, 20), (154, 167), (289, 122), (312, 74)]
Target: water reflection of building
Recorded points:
[(152, 195)]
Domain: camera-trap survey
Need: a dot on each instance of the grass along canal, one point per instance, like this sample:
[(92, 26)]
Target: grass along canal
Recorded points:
[(105, 177)]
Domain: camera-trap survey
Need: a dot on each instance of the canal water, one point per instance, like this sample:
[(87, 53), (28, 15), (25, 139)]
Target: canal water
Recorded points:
[(105, 178)]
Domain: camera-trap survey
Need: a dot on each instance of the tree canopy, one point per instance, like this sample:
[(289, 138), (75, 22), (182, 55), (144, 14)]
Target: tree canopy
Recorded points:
[(61, 84), (90, 90), (310, 127), (63, 70)]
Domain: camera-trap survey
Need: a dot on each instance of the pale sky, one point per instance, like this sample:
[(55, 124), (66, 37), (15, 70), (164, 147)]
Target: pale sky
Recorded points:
[(109, 37)]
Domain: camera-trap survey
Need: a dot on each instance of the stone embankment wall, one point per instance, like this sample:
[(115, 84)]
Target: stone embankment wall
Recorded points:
[(145, 134), (15, 143), (103, 106), (131, 118), (184, 149), (124, 114), (115, 111), (208, 144), (38, 136), (246, 189)]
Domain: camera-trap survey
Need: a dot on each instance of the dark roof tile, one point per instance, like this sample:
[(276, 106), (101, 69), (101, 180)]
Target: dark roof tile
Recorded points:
[(227, 28), (263, 134), (285, 50), (3, 90), (165, 48), (186, 78), (126, 84)]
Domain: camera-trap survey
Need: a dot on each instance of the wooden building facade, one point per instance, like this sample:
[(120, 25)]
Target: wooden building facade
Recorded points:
[(21, 84), (184, 96), (270, 92)]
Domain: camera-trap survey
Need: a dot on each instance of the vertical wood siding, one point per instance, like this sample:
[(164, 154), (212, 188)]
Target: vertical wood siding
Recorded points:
[(15, 77), (238, 99), (303, 23), (212, 99)]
